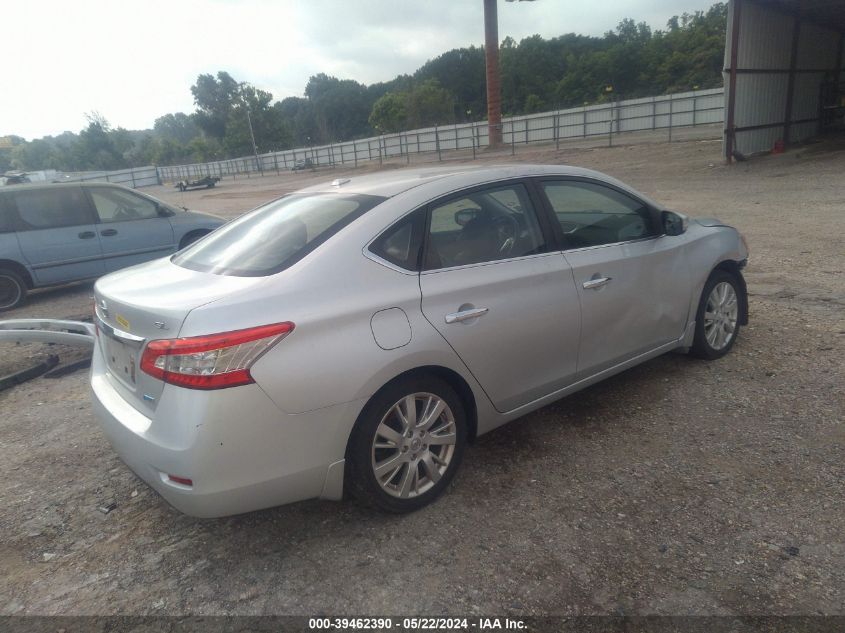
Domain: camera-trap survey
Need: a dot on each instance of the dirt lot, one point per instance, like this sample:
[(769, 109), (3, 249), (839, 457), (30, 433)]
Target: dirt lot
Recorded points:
[(679, 487)]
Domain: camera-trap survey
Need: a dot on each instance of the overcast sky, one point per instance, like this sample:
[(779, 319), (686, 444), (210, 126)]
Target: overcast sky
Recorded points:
[(133, 62)]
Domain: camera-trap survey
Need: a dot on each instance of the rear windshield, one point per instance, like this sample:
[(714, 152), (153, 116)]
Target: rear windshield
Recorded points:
[(275, 236)]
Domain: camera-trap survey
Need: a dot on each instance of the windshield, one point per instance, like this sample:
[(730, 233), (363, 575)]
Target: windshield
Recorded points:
[(275, 236)]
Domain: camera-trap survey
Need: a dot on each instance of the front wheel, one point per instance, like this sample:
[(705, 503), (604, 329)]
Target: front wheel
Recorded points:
[(407, 445), (717, 320), (12, 289)]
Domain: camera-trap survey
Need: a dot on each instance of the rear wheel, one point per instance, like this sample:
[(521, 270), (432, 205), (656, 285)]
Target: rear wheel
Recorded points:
[(407, 445), (12, 289), (717, 321)]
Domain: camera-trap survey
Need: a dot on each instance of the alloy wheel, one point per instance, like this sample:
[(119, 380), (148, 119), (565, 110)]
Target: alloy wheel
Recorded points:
[(413, 445), (720, 315)]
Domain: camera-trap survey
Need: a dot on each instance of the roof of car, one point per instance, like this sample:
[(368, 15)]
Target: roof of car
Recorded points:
[(394, 182), (56, 185)]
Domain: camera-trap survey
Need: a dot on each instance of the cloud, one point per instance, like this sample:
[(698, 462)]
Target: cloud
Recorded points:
[(135, 62)]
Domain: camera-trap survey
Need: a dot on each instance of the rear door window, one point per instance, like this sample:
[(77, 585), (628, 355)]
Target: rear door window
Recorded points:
[(52, 208), (275, 236), (483, 226)]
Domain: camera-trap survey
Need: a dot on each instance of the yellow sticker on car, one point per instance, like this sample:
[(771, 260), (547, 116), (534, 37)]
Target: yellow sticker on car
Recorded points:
[(122, 321)]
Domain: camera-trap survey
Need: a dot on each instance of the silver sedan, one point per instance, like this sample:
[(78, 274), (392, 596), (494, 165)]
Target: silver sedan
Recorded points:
[(356, 336)]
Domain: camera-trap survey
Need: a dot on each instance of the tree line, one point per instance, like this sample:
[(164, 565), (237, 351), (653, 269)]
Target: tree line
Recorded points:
[(537, 75)]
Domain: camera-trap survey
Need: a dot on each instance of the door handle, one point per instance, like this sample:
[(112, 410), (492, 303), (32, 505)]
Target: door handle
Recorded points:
[(464, 315), (109, 232), (87, 235), (595, 284)]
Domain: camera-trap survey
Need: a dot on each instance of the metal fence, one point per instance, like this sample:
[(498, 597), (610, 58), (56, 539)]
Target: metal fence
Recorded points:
[(595, 123), (135, 177)]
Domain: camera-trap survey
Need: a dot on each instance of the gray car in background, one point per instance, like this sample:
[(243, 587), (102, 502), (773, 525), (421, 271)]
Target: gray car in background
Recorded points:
[(357, 335), (56, 233)]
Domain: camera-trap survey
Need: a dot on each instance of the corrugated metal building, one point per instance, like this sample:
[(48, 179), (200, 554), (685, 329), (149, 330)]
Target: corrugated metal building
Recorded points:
[(783, 72)]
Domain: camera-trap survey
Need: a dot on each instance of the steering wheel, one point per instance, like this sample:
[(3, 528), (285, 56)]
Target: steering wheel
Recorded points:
[(507, 230)]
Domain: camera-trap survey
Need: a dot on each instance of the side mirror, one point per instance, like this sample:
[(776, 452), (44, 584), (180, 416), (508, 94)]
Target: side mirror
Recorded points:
[(163, 212), (674, 223), (465, 216)]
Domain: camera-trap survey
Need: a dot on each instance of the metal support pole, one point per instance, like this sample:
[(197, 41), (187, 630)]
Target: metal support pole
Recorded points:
[(584, 135), (610, 127), (671, 112), (437, 143), (730, 131), (513, 138), (472, 138), (557, 132), (790, 88), (694, 106), (654, 113), (407, 151), (254, 146)]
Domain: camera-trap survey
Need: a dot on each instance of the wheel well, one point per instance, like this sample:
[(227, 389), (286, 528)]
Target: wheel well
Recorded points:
[(733, 268), (454, 380), (196, 233), (19, 269)]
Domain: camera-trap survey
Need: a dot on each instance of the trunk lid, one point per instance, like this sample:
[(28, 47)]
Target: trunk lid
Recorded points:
[(146, 302)]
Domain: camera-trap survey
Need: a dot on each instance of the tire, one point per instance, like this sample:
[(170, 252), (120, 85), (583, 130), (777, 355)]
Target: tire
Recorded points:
[(717, 321), (412, 472), (12, 289)]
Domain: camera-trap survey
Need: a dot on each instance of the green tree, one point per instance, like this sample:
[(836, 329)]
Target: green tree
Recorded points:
[(341, 108), (215, 98), (533, 103), (95, 148), (460, 72), (179, 126), (430, 104), (389, 113)]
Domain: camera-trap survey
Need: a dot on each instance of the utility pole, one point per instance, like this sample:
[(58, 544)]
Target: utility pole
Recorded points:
[(252, 137), (494, 89)]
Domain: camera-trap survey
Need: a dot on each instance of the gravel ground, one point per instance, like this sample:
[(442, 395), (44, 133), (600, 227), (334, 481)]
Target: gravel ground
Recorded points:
[(679, 487)]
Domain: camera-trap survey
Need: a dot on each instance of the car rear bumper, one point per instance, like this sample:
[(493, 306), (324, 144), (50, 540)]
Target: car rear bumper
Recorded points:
[(240, 451)]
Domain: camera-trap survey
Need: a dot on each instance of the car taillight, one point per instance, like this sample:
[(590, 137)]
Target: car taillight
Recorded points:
[(215, 361)]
